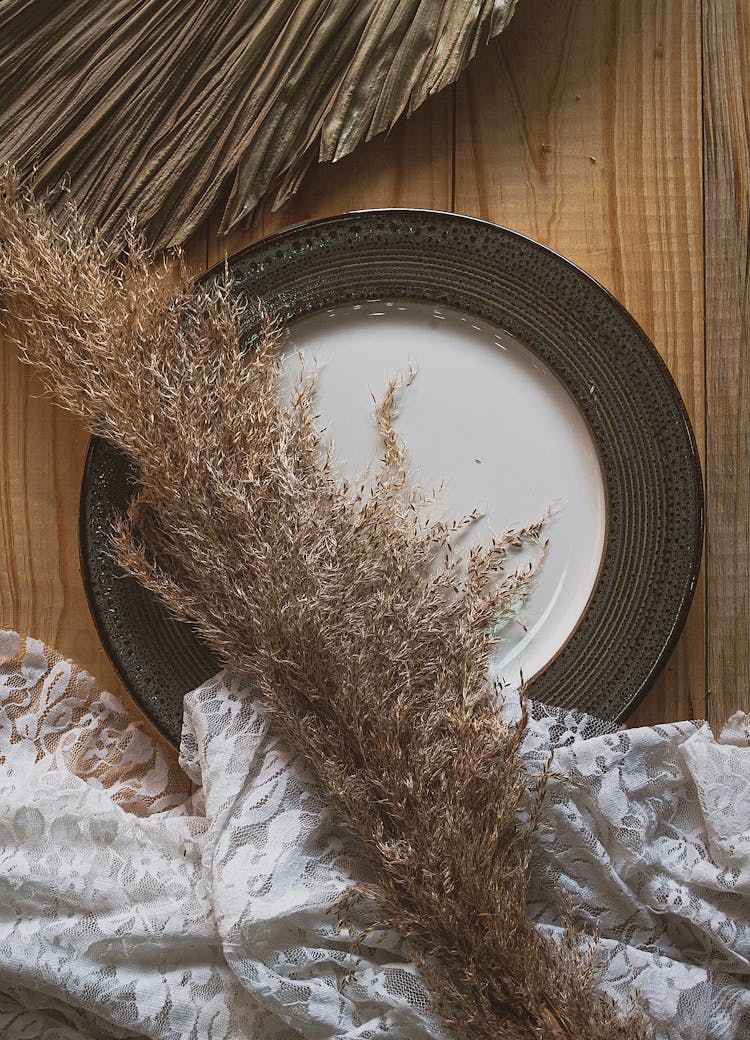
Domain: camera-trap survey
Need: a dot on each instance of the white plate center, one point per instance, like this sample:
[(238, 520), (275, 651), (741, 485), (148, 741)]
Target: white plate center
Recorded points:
[(486, 419)]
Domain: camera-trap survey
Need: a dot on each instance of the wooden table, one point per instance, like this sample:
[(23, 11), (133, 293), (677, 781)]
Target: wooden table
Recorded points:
[(614, 131)]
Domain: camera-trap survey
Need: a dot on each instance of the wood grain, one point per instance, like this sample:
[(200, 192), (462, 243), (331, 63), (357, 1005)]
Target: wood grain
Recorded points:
[(726, 64), (412, 166), (41, 454), (581, 127)]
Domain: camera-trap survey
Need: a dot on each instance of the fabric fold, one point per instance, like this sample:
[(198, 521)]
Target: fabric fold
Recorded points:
[(139, 899)]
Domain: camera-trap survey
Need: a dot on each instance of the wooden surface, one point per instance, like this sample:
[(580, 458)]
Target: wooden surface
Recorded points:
[(726, 83), (582, 126)]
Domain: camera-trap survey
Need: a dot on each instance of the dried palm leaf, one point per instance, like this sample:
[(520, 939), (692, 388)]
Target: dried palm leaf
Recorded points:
[(158, 108)]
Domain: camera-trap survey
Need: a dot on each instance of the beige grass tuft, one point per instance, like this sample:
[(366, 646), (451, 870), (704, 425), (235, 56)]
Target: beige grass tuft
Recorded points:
[(365, 634)]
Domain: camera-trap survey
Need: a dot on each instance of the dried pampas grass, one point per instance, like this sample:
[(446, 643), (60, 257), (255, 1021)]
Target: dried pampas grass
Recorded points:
[(160, 110), (366, 637)]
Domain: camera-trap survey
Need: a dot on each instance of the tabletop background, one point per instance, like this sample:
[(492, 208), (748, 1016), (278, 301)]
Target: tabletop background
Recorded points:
[(615, 133)]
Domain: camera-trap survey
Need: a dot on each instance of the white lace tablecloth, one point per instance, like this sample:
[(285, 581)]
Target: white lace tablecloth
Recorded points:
[(140, 897)]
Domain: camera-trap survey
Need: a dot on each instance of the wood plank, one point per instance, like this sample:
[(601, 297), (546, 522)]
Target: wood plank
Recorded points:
[(411, 166), (42, 452), (726, 81), (41, 458), (581, 127)]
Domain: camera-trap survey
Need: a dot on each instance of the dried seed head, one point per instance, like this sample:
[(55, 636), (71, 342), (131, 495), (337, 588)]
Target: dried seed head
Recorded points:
[(366, 635)]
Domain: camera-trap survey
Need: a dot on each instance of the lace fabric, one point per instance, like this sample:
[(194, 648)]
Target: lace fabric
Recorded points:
[(142, 896), (648, 837)]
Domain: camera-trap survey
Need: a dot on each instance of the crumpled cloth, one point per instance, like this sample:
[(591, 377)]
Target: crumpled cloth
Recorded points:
[(141, 897)]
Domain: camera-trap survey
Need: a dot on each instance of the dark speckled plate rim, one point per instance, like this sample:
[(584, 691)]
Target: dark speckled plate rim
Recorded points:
[(408, 213)]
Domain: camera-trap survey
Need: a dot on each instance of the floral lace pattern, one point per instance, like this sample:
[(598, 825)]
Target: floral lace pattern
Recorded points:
[(145, 897)]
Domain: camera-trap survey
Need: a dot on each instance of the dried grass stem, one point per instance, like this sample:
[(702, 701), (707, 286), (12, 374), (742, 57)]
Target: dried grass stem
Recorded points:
[(367, 637)]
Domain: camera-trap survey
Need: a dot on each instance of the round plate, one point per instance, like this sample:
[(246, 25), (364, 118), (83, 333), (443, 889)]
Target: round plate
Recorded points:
[(489, 429), (647, 452)]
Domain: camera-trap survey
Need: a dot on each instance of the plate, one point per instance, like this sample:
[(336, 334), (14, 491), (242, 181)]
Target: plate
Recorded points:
[(536, 393), (488, 427)]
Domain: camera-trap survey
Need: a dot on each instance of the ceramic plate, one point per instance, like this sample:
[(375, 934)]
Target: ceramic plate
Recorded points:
[(536, 395)]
